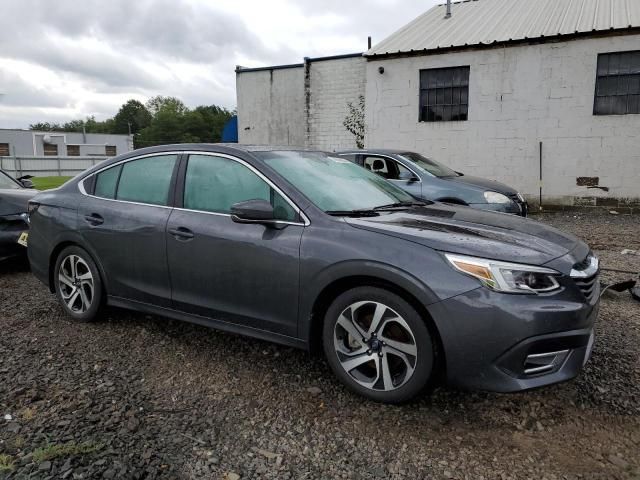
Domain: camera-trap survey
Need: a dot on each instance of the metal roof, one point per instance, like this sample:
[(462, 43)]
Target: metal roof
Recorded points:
[(486, 22)]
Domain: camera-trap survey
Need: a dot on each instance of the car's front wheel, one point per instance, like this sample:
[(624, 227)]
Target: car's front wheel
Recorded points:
[(77, 283), (378, 345)]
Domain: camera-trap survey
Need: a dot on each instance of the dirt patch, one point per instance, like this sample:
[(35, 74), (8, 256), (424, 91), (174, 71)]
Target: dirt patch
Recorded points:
[(136, 396)]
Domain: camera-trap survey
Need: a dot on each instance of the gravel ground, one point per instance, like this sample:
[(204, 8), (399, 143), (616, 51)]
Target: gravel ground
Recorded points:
[(136, 396)]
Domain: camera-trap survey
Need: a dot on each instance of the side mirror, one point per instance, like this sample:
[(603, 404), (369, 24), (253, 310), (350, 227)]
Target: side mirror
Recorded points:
[(252, 211), (26, 183), (408, 177)]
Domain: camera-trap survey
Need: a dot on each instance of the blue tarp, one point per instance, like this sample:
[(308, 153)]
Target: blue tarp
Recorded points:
[(230, 131)]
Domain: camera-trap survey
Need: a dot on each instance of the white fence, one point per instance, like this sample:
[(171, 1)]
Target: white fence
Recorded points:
[(47, 166)]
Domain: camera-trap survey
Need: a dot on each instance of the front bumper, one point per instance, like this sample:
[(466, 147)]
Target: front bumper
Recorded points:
[(10, 231), (507, 343)]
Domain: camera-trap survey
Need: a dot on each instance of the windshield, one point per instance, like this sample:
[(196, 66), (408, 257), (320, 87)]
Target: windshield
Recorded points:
[(430, 166), (7, 182), (332, 183)]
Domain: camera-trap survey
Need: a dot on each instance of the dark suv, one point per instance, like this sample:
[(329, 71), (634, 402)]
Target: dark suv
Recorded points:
[(427, 179), (310, 250)]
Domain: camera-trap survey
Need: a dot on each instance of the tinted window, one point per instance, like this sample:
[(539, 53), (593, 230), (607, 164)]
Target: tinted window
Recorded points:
[(214, 184), (444, 94), (106, 182), (147, 180), (333, 183)]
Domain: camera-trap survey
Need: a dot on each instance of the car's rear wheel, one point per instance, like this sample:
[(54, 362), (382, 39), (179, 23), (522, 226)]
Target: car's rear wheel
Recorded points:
[(77, 283), (378, 345)]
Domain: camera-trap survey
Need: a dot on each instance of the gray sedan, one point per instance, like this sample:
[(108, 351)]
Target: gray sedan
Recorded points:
[(310, 250), (428, 179)]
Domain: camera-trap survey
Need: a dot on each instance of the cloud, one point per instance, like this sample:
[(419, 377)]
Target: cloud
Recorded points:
[(16, 91), (69, 59)]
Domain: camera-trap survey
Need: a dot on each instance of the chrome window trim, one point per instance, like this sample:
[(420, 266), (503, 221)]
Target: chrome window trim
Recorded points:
[(306, 222)]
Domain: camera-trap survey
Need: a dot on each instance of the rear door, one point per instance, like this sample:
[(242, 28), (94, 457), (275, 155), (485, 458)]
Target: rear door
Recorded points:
[(241, 273), (123, 220)]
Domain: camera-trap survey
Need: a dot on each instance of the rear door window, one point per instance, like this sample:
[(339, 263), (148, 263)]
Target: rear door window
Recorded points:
[(147, 180)]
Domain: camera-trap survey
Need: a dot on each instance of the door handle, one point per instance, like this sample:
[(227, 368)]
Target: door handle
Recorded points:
[(94, 219), (181, 233)]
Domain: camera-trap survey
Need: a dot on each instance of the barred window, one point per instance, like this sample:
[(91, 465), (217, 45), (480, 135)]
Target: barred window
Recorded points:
[(617, 84), (4, 149), (444, 94), (73, 150), (110, 150)]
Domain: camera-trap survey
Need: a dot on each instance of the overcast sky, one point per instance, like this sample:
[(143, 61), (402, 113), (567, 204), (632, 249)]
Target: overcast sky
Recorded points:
[(72, 58)]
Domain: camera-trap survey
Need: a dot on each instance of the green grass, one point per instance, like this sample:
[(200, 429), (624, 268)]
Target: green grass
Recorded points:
[(6, 463), (69, 449), (46, 183)]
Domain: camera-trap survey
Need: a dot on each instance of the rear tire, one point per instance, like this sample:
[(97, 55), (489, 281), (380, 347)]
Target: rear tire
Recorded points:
[(378, 345), (78, 284)]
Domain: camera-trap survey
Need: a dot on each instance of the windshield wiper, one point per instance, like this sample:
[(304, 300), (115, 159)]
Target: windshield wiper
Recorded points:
[(396, 205), (352, 213), (373, 212)]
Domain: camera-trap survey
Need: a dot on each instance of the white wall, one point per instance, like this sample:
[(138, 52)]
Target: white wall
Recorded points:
[(333, 83), (271, 106), (518, 96), (303, 106)]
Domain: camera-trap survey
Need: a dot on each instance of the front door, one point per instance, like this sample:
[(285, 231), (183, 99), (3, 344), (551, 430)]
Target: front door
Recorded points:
[(123, 222), (241, 273)]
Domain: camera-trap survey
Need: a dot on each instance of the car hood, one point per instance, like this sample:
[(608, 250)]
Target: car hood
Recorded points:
[(470, 231), (484, 184), (13, 202)]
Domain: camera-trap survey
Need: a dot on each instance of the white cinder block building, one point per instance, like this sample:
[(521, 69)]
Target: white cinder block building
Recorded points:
[(507, 89), (301, 104)]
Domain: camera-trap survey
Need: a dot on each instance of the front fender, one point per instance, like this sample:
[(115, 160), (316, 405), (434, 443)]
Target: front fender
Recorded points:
[(352, 269)]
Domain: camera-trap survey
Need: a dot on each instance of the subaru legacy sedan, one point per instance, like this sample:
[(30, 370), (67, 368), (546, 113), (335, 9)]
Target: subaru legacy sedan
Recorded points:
[(310, 250), (428, 179)]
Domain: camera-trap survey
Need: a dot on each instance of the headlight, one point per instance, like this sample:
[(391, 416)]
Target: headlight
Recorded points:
[(506, 277), (495, 197)]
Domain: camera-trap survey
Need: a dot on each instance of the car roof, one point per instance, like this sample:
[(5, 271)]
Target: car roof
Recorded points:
[(214, 147), (373, 151)]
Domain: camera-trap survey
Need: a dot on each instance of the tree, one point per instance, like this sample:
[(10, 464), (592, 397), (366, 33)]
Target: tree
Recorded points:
[(354, 121), (158, 103), (132, 114), (46, 127), (161, 121)]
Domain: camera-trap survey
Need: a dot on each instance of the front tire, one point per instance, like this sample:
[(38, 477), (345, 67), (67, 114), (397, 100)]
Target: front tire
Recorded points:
[(378, 345), (77, 284)]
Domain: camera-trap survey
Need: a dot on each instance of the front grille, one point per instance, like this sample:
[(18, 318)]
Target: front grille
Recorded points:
[(585, 274), (588, 286)]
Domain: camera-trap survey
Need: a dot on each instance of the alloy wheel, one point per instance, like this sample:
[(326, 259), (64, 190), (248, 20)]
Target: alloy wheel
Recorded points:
[(375, 346), (76, 284)]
